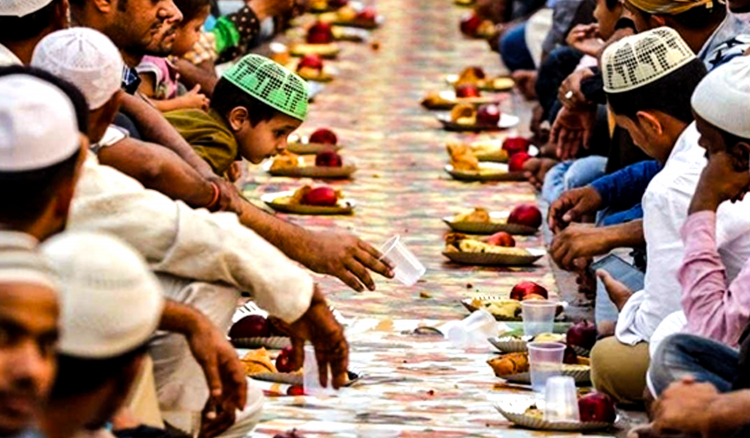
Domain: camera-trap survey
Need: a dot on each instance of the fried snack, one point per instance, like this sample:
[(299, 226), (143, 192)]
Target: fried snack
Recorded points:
[(469, 245), (462, 158), (454, 238), (313, 74), (285, 160), (533, 411), (469, 76), (433, 99), (509, 364), (347, 13), (506, 309), (479, 214), (464, 114), (299, 195), (549, 337), (258, 361)]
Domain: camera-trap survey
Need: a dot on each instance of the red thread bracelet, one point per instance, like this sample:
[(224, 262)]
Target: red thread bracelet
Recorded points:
[(215, 199)]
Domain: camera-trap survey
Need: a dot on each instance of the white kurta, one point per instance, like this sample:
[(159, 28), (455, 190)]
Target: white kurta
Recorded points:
[(665, 206)]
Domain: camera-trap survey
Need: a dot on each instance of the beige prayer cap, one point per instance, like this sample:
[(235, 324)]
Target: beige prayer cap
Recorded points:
[(670, 7), (722, 98), (20, 262), (38, 124), (643, 58), (111, 303), (21, 8), (84, 57)]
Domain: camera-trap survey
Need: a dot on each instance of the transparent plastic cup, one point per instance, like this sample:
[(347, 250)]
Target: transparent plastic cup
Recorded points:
[(538, 316), (473, 330), (560, 400), (312, 379), (406, 267), (545, 361)]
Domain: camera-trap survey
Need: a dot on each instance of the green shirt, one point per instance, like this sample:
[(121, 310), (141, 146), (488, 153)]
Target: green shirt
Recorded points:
[(209, 135)]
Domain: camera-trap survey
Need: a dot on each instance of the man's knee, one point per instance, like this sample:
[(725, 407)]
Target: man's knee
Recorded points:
[(619, 370)]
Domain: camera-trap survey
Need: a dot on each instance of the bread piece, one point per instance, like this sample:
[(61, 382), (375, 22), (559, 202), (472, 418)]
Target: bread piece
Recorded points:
[(463, 111), (479, 214), (285, 160), (299, 195), (509, 364), (258, 361)]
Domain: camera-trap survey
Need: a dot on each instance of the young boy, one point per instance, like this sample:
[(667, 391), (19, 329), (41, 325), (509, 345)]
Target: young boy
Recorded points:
[(255, 106)]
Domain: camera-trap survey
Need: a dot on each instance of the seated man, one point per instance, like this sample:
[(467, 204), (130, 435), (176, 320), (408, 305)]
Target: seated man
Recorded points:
[(111, 304), (655, 109), (215, 249)]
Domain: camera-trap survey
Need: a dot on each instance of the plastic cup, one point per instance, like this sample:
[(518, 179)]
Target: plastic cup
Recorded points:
[(560, 400), (406, 268), (545, 361), (312, 379), (473, 330), (538, 316)]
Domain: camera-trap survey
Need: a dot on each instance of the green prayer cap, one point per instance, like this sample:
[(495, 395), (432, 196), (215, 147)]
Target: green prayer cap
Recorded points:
[(272, 84)]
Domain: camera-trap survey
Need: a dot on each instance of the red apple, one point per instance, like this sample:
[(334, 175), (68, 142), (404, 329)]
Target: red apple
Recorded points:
[(597, 407), (582, 335), (283, 361), (488, 114), (526, 288), (321, 196), (501, 238), (320, 33), (367, 14), (312, 61), (295, 390), (324, 136), (569, 356), (470, 23), (328, 159), (513, 145), (467, 90), (527, 215), (516, 161), (253, 326)]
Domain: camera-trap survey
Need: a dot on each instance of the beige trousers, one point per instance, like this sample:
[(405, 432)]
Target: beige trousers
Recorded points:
[(619, 370)]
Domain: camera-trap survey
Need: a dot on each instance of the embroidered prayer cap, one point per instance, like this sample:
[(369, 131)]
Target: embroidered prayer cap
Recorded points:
[(110, 302), (20, 262), (38, 125), (270, 83), (85, 57), (643, 58), (21, 8), (670, 7), (722, 98)]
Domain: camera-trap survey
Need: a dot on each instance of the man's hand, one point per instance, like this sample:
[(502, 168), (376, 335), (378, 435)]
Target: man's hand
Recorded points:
[(571, 206), (319, 326), (571, 130), (578, 241), (684, 408), (224, 372), (585, 38), (618, 292), (720, 181), (526, 82), (216, 420), (570, 94), (346, 257)]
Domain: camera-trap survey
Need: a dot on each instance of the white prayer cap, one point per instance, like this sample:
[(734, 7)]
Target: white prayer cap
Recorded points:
[(643, 58), (38, 124), (20, 262), (110, 302), (84, 57), (722, 98), (21, 8)]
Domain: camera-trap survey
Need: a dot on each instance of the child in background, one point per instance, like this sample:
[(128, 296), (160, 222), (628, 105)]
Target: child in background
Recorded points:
[(255, 106), (159, 78)]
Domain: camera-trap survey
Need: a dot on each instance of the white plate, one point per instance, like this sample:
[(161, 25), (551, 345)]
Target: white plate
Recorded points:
[(497, 223), (345, 206), (272, 342)]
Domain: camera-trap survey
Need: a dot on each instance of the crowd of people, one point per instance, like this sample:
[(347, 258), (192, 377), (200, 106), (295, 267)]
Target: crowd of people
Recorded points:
[(125, 246)]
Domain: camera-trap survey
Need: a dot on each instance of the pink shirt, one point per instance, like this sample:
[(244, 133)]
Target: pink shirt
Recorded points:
[(713, 309)]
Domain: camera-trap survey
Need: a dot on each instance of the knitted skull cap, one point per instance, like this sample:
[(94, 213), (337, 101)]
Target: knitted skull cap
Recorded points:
[(21, 8), (84, 57), (110, 301), (272, 84), (643, 58), (722, 98)]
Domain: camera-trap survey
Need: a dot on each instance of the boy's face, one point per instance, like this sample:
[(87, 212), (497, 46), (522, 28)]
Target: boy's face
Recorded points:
[(189, 33), (606, 18), (266, 139)]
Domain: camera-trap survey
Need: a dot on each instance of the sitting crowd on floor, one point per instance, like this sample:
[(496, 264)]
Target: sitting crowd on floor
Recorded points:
[(125, 247)]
